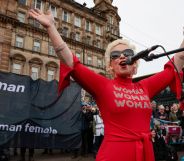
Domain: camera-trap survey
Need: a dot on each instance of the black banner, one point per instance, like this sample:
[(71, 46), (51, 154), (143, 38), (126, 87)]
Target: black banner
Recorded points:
[(33, 115)]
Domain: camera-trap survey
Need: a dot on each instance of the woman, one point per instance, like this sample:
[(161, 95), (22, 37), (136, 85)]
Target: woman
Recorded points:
[(173, 113), (159, 145), (124, 105)]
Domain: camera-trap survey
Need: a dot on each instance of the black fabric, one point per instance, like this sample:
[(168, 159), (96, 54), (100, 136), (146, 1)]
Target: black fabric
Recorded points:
[(160, 150), (33, 115)]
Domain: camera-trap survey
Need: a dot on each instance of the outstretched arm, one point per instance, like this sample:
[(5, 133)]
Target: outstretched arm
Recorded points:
[(61, 48), (179, 58)]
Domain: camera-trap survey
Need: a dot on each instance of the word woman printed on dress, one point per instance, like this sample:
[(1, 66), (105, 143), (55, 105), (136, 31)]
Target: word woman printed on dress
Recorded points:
[(130, 97)]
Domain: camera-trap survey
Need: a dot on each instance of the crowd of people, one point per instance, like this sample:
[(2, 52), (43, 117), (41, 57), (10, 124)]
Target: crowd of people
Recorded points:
[(167, 130), (92, 133), (92, 130)]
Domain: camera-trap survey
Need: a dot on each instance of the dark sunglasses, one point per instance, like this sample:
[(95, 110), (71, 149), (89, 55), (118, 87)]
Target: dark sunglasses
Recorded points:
[(117, 54)]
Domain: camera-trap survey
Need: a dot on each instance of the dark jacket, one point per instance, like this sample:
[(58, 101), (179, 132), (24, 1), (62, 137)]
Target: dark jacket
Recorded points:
[(160, 149)]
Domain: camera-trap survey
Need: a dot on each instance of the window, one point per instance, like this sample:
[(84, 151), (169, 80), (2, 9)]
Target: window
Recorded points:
[(36, 45), (115, 32), (50, 75), (99, 63), (77, 36), (88, 40), (53, 10), (23, 2), (51, 50), (36, 23), (19, 41), (78, 55), (65, 32), (111, 20), (98, 44), (16, 68), (89, 60), (38, 4), (88, 26), (21, 17), (77, 21), (34, 73), (108, 28), (98, 29), (66, 16)]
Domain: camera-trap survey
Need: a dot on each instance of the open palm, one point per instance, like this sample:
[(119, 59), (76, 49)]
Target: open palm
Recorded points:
[(45, 19)]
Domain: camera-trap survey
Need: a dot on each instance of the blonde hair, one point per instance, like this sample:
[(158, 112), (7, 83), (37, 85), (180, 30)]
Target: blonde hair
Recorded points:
[(112, 45)]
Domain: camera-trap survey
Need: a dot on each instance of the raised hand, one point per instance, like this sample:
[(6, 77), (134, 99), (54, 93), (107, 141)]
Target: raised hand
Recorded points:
[(46, 20)]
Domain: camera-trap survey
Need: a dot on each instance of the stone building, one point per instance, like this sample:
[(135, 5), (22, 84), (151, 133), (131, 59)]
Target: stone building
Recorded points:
[(26, 49)]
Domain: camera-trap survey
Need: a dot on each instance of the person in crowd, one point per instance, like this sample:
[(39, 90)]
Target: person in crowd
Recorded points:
[(173, 113), (182, 123), (159, 145), (154, 113), (177, 110), (15, 153), (23, 152), (171, 153), (167, 110), (154, 108), (87, 129), (47, 151), (161, 113), (98, 132), (124, 105)]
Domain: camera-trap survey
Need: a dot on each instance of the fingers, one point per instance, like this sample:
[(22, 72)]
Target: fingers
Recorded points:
[(48, 12), (34, 12), (38, 11)]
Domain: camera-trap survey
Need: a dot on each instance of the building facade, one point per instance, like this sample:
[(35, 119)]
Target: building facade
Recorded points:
[(26, 49)]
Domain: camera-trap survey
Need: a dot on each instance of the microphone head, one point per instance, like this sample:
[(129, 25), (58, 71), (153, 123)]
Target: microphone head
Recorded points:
[(129, 60)]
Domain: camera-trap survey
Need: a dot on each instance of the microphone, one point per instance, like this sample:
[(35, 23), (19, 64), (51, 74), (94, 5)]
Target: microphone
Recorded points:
[(131, 59)]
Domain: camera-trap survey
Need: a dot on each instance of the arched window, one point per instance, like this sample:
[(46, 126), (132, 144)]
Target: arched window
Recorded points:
[(51, 70), (16, 68), (35, 72), (50, 75), (35, 68), (17, 63)]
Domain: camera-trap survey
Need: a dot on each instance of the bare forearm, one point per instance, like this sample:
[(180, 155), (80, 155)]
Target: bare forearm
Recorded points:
[(61, 49), (179, 58)]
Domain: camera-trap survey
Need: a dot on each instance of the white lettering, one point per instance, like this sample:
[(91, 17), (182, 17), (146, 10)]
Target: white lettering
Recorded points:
[(129, 103), (135, 97), (118, 95), (127, 96), (12, 87), (138, 104), (28, 128), (13, 128), (117, 88), (120, 103)]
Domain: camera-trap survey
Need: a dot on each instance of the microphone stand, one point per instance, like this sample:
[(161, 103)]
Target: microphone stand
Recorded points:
[(156, 56)]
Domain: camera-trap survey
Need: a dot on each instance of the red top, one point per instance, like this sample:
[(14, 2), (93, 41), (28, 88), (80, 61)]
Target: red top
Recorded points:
[(125, 108)]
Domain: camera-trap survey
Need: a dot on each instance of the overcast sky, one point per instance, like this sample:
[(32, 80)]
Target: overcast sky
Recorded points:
[(150, 22)]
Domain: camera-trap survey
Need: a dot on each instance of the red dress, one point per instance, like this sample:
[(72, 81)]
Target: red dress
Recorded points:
[(125, 108)]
